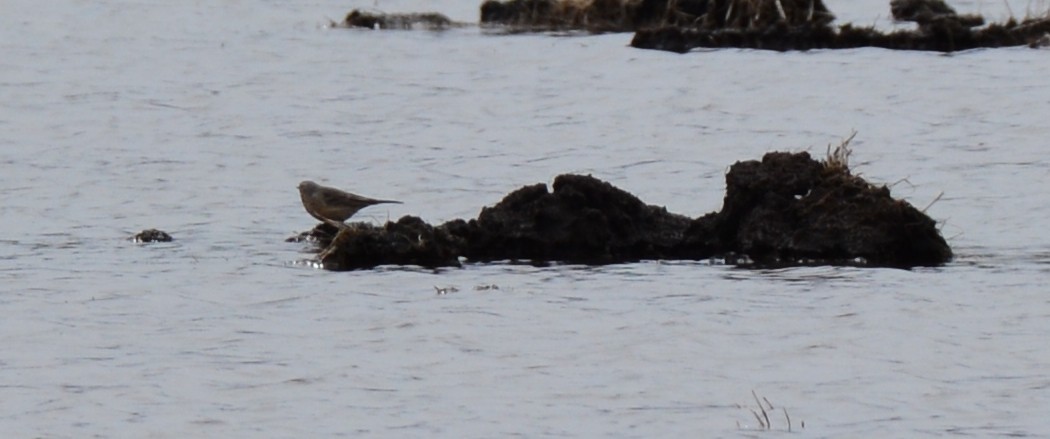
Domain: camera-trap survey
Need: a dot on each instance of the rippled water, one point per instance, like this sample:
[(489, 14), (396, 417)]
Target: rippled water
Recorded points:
[(199, 118)]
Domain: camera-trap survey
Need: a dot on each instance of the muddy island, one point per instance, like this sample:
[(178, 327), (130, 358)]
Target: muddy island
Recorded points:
[(785, 209)]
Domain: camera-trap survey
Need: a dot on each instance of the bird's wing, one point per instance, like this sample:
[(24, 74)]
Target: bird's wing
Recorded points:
[(334, 197), (340, 196)]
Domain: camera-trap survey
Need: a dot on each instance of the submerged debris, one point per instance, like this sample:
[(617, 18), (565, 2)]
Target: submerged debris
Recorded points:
[(410, 21), (786, 209), (152, 235)]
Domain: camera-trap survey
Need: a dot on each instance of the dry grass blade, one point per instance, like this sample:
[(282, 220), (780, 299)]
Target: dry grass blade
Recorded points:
[(765, 407), (759, 419), (838, 159), (924, 209), (765, 415)]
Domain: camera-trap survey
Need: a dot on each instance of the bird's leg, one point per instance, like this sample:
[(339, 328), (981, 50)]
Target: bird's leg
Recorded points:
[(344, 231), (340, 226)]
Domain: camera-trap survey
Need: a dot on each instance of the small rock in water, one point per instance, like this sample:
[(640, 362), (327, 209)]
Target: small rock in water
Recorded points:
[(152, 235)]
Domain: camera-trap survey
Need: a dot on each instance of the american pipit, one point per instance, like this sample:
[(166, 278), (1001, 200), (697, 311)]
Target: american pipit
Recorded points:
[(331, 205)]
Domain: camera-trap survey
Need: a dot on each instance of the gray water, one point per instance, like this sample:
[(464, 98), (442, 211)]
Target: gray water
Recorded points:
[(199, 118)]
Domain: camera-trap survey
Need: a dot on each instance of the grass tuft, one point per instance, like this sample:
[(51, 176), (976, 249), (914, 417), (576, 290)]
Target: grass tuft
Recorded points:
[(837, 160), (762, 414)]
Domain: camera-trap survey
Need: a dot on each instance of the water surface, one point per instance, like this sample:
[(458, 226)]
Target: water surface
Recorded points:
[(200, 118)]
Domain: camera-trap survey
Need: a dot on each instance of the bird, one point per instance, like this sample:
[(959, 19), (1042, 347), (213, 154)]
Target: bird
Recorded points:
[(331, 205)]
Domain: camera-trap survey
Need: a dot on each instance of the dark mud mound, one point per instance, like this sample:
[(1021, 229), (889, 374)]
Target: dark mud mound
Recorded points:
[(790, 209), (409, 241), (583, 220), (786, 209)]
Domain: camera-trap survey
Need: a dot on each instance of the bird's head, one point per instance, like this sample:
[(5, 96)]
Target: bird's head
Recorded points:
[(307, 185)]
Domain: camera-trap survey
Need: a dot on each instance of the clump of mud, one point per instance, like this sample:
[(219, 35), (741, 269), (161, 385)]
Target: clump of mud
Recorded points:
[(789, 209)]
